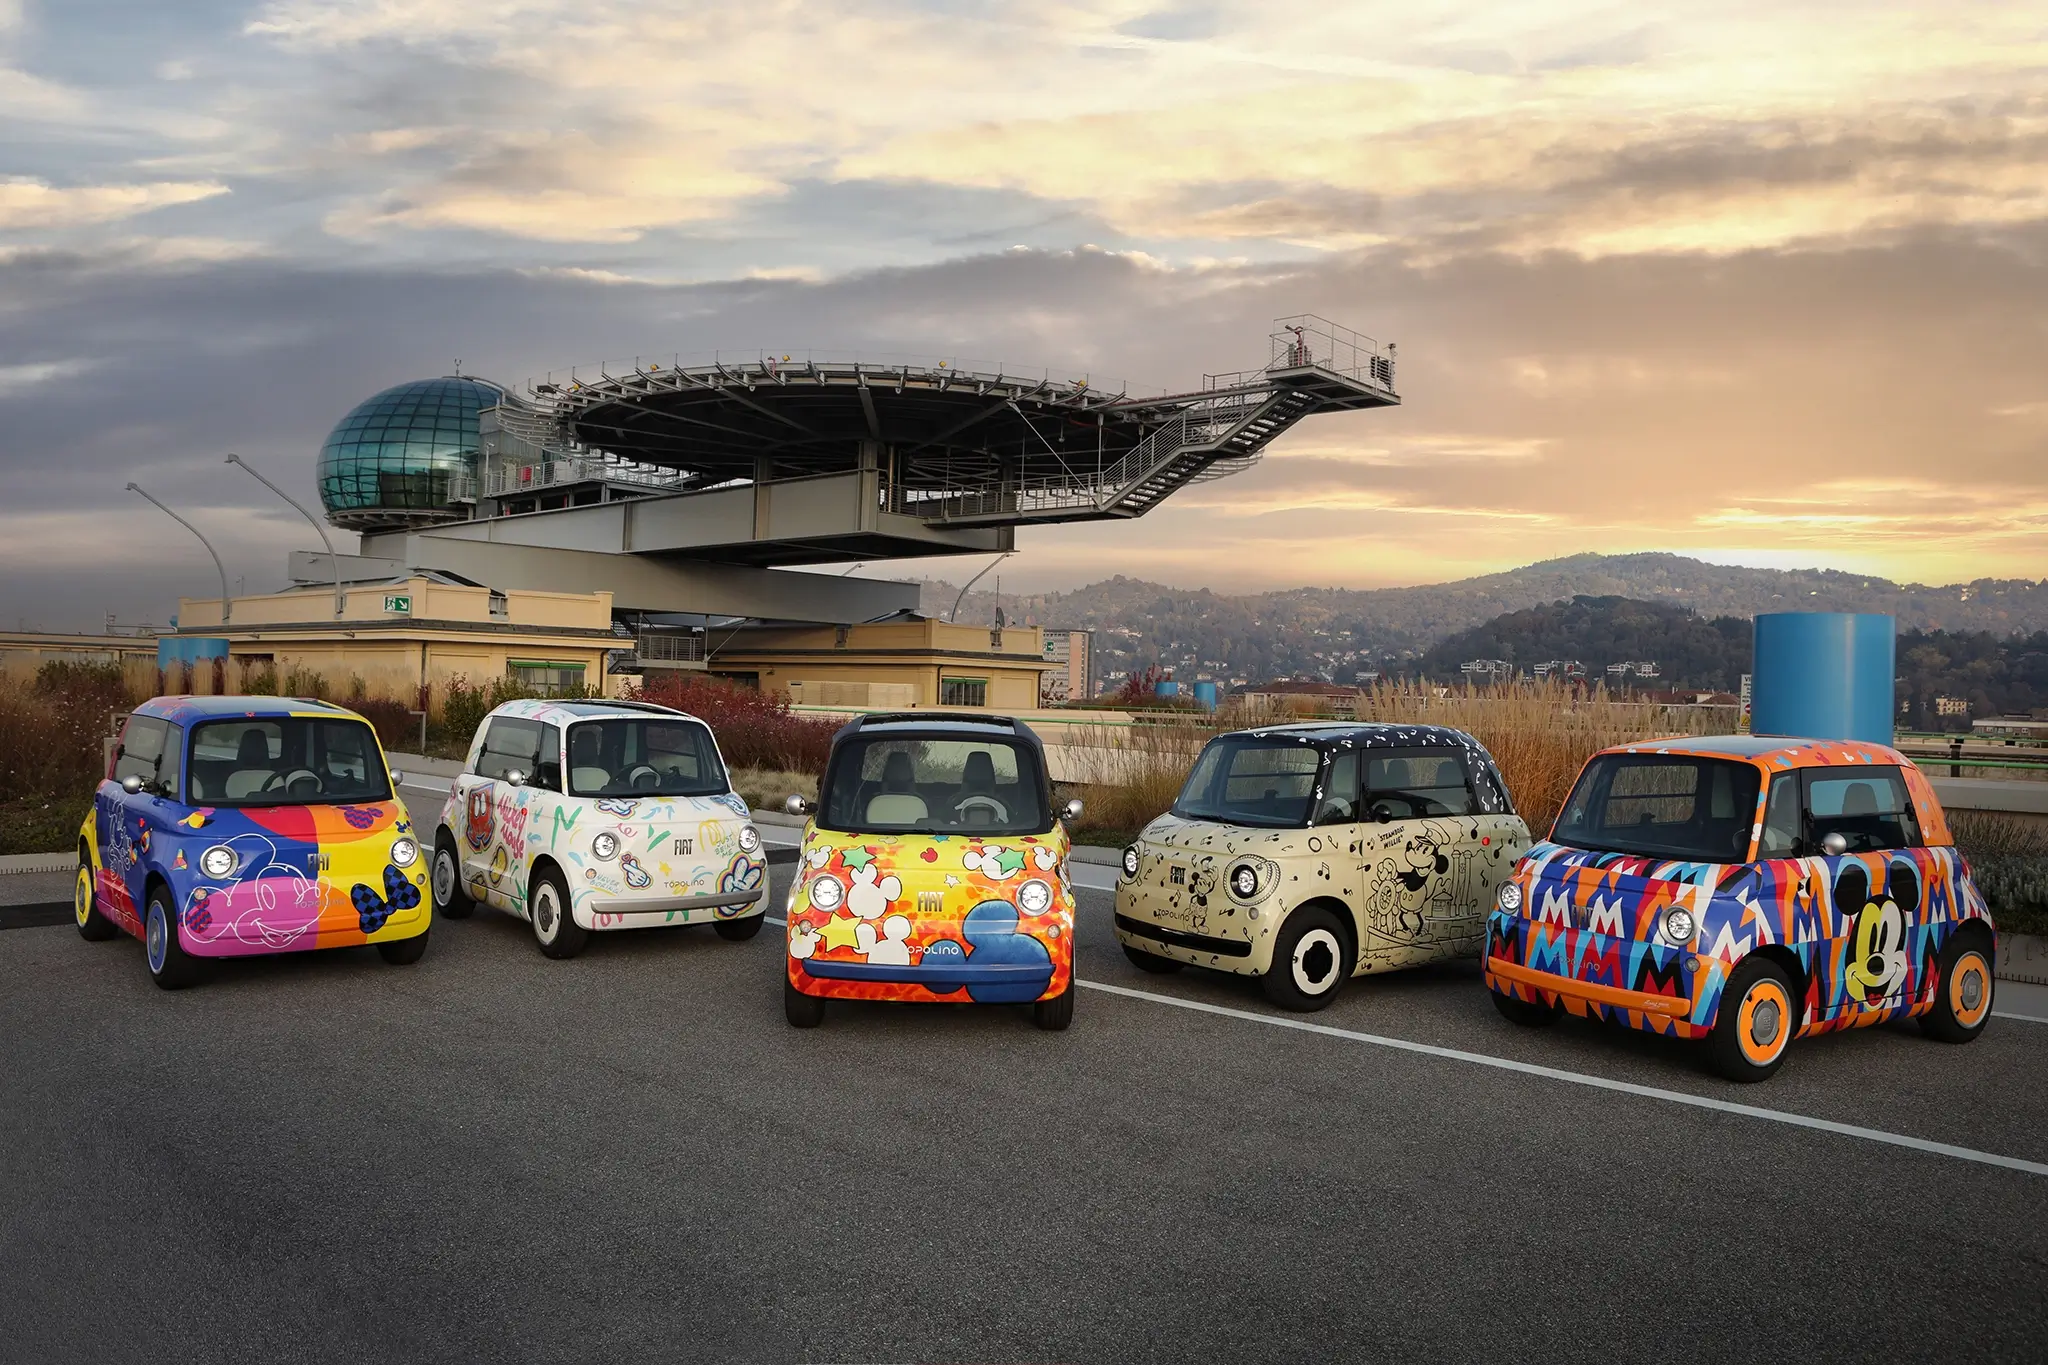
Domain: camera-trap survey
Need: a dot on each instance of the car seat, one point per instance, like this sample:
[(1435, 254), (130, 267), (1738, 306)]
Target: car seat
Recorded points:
[(585, 775), (898, 802), (252, 766), (1859, 798)]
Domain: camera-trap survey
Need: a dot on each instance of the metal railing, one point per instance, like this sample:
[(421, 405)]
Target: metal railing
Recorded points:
[(1306, 341), (669, 649), (512, 480)]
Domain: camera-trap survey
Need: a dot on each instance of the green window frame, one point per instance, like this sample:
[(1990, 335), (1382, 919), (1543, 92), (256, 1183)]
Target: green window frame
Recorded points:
[(549, 677), (963, 692)]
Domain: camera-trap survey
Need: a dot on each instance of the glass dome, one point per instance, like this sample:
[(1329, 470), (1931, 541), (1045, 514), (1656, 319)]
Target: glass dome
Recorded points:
[(407, 456)]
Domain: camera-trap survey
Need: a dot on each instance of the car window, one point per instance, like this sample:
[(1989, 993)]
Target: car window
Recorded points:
[(510, 745), (285, 760), (1412, 783), (547, 772), (644, 756), (170, 764), (1867, 807), (1782, 822), (906, 784), (1663, 806), (1339, 805), (142, 744), (1249, 780)]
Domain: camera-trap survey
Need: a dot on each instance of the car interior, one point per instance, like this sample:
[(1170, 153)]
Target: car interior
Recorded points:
[(974, 786), (283, 760)]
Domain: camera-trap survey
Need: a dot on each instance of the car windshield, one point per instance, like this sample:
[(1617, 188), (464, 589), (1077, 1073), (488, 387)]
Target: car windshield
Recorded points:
[(644, 756), (899, 784), (285, 761), (1245, 780), (1662, 806)]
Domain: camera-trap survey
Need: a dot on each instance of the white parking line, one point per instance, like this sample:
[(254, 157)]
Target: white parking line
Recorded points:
[(2023, 1018), (1595, 1082)]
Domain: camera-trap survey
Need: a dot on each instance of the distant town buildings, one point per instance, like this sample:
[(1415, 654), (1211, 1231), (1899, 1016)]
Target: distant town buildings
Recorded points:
[(1072, 675)]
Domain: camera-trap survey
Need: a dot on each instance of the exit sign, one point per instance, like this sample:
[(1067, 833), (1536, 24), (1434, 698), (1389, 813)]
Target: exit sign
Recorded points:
[(399, 603)]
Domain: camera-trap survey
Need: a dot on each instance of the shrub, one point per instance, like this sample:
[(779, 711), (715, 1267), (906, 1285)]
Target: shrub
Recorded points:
[(397, 728), (464, 705), (755, 729)]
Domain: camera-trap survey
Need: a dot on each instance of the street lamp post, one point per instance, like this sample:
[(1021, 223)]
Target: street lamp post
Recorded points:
[(227, 603), (332, 562), (976, 579)]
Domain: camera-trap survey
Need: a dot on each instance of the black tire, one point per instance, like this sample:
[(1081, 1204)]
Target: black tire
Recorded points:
[(1963, 995), (403, 952), (1311, 959), (802, 1011), (554, 925), (1152, 962), (92, 925), (451, 896), (739, 930), (1757, 1021), (1527, 1013), (1055, 1013), (170, 966)]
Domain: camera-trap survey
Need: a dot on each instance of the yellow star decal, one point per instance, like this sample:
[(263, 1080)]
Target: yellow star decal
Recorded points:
[(839, 932)]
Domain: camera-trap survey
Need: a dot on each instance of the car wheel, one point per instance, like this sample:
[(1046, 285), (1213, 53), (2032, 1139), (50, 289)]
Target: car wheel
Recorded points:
[(1527, 1013), (1056, 1013), (1310, 961), (1759, 1014), (554, 928), (170, 966), (91, 923), (403, 952), (1152, 962), (451, 899), (739, 930), (1962, 998), (802, 1011)]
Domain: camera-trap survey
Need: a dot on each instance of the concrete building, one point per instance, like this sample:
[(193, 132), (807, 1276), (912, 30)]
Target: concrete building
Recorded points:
[(23, 652), (905, 661), (419, 630), (1072, 675)]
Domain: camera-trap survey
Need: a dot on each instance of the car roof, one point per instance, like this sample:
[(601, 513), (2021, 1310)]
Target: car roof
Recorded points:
[(1358, 734), (940, 725), (1770, 751), (563, 712), (186, 710)]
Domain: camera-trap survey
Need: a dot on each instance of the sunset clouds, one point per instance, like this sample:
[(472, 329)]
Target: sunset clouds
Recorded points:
[(1741, 279)]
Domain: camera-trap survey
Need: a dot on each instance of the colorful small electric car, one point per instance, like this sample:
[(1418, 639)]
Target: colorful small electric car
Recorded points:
[(584, 816), (933, 868), (1307, 854), (231, 826), (1747, 891)]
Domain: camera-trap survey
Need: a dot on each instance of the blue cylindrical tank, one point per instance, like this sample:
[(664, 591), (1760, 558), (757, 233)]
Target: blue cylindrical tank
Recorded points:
[(1168, 688), (1205, 695), (1823, 675)]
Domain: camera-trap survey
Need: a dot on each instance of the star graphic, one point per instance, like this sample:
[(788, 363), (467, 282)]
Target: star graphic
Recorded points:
[(841, 932), (1008, 861), (856, 858)]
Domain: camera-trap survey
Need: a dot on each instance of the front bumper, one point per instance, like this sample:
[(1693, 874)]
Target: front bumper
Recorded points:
[(1604, 976), (645, 912)]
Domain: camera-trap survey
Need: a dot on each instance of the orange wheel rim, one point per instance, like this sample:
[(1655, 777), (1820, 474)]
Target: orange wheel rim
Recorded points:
[(1763, 1022), (1969, 989)]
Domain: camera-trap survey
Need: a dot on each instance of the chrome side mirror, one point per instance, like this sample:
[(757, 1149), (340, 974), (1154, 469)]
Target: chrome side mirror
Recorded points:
[(515, 777), (1834, 845), (133, 785), (397, 778), (1071, 811), (796, 805)]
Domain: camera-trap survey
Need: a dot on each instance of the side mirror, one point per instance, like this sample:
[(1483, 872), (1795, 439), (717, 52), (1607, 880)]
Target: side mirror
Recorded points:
[(796, 805), (515, 777), (1834, 845), (133, 785), (397, 778), (1071, 811)]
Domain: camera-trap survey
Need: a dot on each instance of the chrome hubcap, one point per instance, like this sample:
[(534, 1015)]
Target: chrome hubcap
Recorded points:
[(1973, 990), (1763, 1025)]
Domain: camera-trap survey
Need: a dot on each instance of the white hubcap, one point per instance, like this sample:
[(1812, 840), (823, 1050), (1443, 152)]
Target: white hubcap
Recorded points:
[(1318, 958), (444, 876), (547, 916)]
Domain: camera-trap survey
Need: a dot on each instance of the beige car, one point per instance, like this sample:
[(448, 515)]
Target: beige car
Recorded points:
[(1305, 854)]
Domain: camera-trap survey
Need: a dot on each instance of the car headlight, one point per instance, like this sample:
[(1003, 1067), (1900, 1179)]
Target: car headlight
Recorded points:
[(1034, 897), (1678, 926), (750, 839), (404, 852), (1244, 881), (1509, 897), (827, 893), (219, 861), (1131, 861), (604, 845)]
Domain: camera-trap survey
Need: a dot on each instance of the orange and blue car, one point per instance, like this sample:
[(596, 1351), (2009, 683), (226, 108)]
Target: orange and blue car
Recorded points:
[(234, 826), (1746, 891)]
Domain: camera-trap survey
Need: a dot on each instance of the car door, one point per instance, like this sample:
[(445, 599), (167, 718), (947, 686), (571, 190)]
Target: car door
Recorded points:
[(126, 818), (1429, 852), (1883, 952), (494, 840)]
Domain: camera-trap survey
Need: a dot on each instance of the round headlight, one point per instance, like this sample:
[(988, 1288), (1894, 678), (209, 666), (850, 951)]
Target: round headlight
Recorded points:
[(1244, 881), (1034, 897), (750, 839), (1678, 926), (604, 845), (219, 861), (827, 893), (404, 852), (1131, 861), (1509, 897)]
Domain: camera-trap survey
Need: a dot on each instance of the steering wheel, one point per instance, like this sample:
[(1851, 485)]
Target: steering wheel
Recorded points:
[(294, 782), (1382, 813), (644, 779), (987, 805)]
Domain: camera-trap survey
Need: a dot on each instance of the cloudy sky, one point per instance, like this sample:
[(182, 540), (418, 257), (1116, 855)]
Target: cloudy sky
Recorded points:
[(1761, 282)]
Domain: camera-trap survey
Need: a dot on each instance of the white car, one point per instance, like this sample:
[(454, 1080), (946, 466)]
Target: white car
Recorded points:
[(583, 816)]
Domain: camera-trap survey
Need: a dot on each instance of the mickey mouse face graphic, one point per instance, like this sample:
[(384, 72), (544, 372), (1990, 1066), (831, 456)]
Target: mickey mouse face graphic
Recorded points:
[(1876, 921)]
